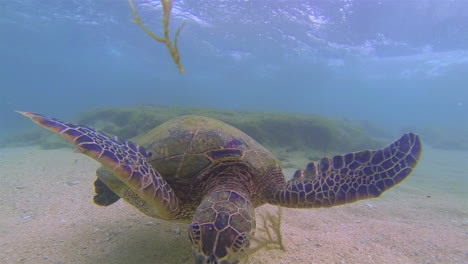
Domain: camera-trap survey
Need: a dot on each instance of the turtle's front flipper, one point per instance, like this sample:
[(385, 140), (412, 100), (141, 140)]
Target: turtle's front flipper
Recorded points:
[(351, 177), (124, 159)]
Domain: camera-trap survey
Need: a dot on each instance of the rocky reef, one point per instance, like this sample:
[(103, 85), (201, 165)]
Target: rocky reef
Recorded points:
[(291, 131), (283, 133)]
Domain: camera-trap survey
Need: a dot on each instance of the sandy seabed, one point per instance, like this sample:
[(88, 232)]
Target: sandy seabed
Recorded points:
[(46, 216)]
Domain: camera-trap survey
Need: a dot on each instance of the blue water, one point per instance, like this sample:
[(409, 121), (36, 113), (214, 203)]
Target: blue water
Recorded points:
[(390, 62)]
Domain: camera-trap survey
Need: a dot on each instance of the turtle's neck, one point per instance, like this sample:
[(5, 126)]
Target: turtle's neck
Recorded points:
[(231, 177)]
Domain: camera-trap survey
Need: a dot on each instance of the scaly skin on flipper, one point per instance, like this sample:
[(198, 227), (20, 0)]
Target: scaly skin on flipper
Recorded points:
[(126, 160), (351, 177)]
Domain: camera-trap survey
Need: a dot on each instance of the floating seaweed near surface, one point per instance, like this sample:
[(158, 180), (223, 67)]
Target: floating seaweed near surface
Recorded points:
[(171, 46)]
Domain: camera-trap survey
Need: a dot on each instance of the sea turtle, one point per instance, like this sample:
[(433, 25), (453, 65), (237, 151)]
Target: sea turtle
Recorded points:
[(199, 168)]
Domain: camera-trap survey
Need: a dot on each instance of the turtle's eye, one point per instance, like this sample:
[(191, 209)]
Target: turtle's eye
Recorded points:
[(194, 233), (150, 153)]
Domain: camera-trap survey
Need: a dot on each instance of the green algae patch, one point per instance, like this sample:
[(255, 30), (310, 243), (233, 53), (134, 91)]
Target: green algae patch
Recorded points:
[(281, 132)]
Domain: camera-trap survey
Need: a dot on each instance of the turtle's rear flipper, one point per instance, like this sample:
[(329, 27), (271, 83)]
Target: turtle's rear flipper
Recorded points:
[(350, 177), (104, 196), (127, 161)]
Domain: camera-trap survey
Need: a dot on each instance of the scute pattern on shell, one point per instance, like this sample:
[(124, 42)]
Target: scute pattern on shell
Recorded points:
[(185, 147)]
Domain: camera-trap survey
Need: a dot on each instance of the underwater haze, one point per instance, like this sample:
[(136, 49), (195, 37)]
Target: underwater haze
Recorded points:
[(399, 64), (307, 79)]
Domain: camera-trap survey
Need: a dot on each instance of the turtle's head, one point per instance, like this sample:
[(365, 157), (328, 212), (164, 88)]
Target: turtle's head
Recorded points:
[(221, 227)]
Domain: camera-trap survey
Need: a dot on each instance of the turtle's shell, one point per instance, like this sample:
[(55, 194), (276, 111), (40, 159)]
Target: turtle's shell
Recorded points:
[(183, 148)]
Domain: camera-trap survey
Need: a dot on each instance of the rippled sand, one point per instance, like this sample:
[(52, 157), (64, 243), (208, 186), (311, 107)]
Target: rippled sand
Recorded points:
[(46, 216)]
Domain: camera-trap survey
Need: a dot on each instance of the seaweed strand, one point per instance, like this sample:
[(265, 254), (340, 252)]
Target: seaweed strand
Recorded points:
[(171, 46), (274, 240)]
